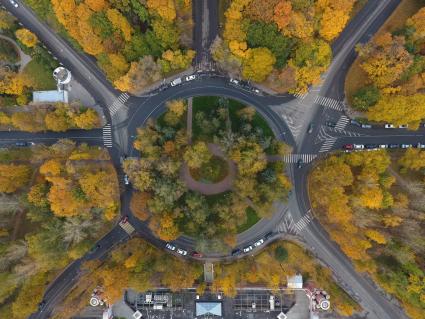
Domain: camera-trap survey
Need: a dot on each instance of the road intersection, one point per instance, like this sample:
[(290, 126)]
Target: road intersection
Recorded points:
[(289, 117)]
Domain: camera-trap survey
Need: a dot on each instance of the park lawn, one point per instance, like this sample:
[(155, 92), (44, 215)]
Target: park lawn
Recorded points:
[(356, 77), (40, 75), (251, 219)]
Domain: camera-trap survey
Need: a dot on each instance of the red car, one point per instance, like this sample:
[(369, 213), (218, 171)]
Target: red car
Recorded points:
[(196, 254), (348, 146), (124, 219)]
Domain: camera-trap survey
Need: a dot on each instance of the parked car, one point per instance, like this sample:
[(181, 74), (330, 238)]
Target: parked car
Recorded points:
[(126, 180), (403, 126), (14, 3), (170, 247), (181, 251), (256, 91), (247, 249), (196, 254), (393, 145), (259, 242), (371, 146), (268, 235), (419, 145), (358, 146), (176, 82), (236, 252), (366, 126), (190, 77), (300, 163), (389, 126), (354, 122), (234, 81), (383, 146), (310, 128), (348, 147), (124, 219), (41, 305), (21, 144), (405, 145), (330, 123)]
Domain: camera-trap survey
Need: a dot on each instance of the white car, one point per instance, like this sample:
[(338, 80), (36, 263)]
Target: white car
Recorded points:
[(419, 145), (170, 247), (234, 81), (256, 91), (176, 82), (190, 77), (389, 126), (358, 146), (259, 242), (406, 145), (126, 180), (14, 3), (247, 249), (403, 126), (383, 146), (181, 252)]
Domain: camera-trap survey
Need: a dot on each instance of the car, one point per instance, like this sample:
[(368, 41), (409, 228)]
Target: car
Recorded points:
[(348, 146), (21, 144), (354, 122), (300, 163), (94, 248), (268, 235), (389, 126), (403, 126), (366, 126), (234, 81), (383, 146), (236, 252), (405, 145), (196, 254), (330, 123), (124, 219), (247, 249), (419, 145), (257, 91), (259, 242), (181, 251), (310, 128), (358, 146), (14, 3), (170, 247), (371, 146), (126, 180), (190, 77), (41, 305), (176, 82), (393, 145)]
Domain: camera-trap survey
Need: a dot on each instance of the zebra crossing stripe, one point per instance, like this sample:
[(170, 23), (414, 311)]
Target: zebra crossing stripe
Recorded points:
[(293, 158), (327, 145), (342, 122), (128, 228), (329, 102), (118, 103), (107, 135), (300, 96)]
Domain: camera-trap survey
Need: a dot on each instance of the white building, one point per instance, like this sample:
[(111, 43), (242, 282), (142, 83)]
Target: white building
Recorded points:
[(295, 282), (50, 96)]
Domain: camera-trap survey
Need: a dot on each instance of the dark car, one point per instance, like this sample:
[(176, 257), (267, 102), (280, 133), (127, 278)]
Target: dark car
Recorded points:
[(310, 128), (330, 124), (236, 252), (354, 122), (268, 235), (371, 146), (41, 305), (348, 147), (21, 144), (393, 146), (300, 163), (196, 254), (366, 126)]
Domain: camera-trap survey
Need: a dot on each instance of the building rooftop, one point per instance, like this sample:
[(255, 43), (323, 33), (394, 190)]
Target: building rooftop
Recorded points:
[(50, 96), (208, 308)]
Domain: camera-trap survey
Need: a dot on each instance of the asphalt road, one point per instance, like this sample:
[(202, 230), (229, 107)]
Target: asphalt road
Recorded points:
[(360, 29)]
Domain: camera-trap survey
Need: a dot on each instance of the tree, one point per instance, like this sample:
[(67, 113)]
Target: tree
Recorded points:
[(366, 97), (38, 195), (87, 120), (176, 109), (52, 167), (226, 60), (119, 22), (249, 156), (417, 22), (100, 188), (96, 5), (258, 64), (165, 8), (280, 253), (138, 205), (413, 159), (167, 33), (282, 13), (398, 109), (28, 38), (376, 236), (197, 155), (13, 177), (58, 120), (6, 20)]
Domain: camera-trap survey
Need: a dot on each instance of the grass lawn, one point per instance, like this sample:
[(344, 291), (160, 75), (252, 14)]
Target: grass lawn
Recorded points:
[(212, 172), (251, 219), (8, 51), (9, 155), (40, 75), (356, 77)]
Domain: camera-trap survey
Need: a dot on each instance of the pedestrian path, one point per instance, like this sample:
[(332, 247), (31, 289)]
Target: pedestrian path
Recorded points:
[(328, 102), (107, 135), (342, 122), (118, 104), (293, 158), (128, 228), (327, 145)]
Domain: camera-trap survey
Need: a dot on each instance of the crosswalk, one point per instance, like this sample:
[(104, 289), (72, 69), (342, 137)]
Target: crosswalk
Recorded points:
[(293, 158), (342, 122), (288, 225), (107, 135), (292, 125), (327, 144), (303, 221), (128, 228), (328, 102), (300, 96), (118, 103)]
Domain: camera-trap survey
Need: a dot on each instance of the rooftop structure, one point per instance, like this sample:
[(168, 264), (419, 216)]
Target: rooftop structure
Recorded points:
[(208, 308), (50, 96), (295, 282)]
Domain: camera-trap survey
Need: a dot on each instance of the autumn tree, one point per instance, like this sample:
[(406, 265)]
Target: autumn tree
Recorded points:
[(197, 155), (413, 159), (87, 120), (13, 177), (258, 64), (249, 157), (176, 109), (28, 38)]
